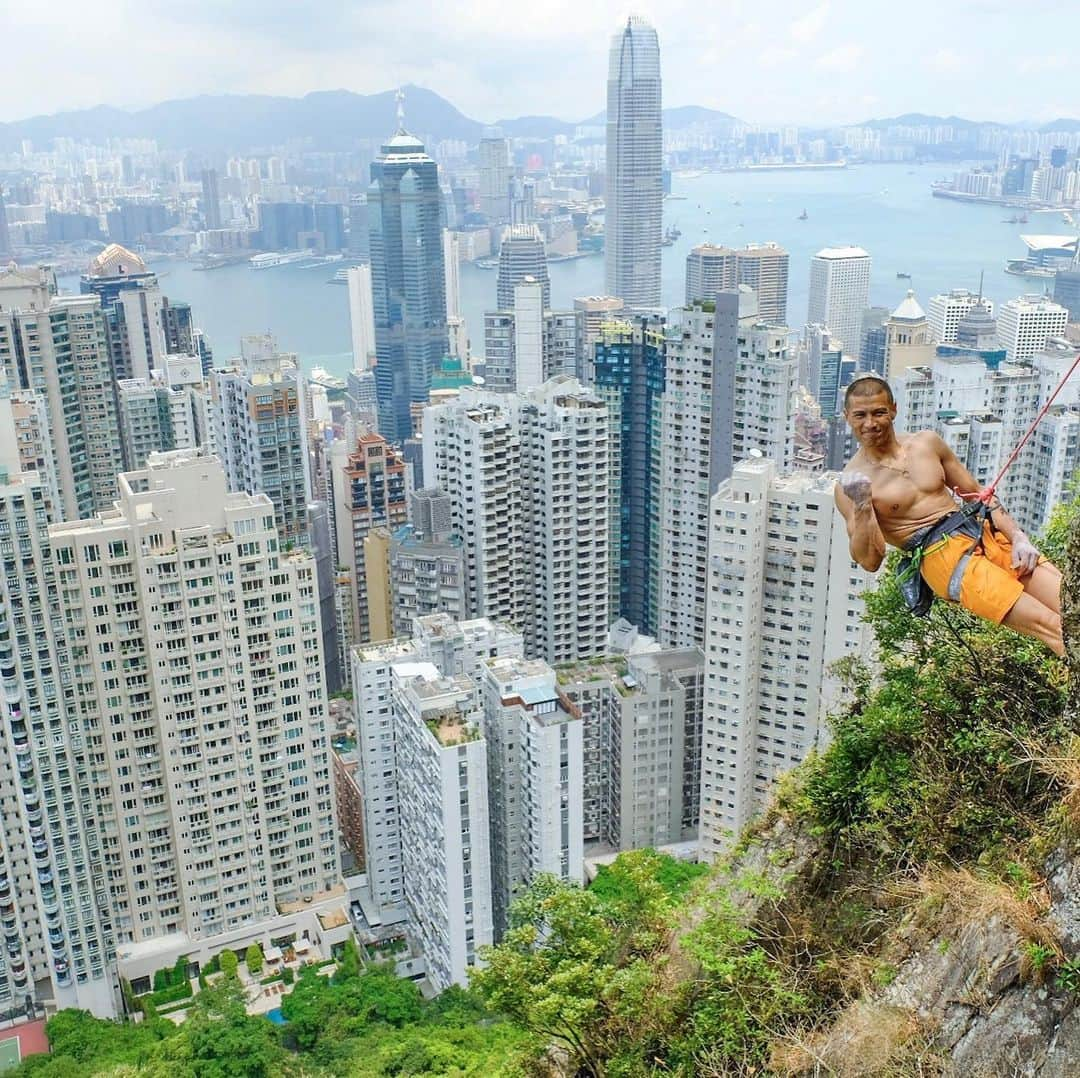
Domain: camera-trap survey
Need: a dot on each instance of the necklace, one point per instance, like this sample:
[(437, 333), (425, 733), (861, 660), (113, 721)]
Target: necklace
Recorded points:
[(892, 468)]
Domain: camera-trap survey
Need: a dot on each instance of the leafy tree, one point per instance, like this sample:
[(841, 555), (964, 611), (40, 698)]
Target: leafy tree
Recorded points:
[(349, 963), (253, 958), (221, 1040), (229, 963)]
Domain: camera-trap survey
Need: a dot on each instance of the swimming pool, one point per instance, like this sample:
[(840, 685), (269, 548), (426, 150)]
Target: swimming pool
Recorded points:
[(276, 1016)]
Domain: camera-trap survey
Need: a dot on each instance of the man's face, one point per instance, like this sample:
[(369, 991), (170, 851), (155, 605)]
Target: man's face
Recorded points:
[(871, 418)]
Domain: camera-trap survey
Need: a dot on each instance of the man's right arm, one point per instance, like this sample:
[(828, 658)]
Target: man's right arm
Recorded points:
[(852, 495)]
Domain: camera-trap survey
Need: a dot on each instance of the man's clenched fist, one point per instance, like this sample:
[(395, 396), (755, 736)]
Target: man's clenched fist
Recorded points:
[(857, 487)]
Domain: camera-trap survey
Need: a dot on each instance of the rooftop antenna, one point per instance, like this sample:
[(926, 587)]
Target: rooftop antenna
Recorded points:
[(979, 301), (400, 96)]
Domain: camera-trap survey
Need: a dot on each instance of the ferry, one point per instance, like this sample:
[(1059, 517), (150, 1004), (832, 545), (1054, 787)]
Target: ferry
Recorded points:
[(903, 276), (1021, 267), (277, 258), (320, 376)]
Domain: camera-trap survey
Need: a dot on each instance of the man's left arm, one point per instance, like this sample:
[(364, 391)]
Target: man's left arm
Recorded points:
[(959, 480)]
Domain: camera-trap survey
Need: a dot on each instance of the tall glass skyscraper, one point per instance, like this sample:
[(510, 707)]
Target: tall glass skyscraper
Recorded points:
[(408, 279), (634, 195)]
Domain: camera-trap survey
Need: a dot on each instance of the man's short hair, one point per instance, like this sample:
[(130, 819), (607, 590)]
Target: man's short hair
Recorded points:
[(866, 385)]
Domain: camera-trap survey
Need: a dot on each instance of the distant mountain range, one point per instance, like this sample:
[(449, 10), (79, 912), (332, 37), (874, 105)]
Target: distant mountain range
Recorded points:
[(331, 119), (920, 119)]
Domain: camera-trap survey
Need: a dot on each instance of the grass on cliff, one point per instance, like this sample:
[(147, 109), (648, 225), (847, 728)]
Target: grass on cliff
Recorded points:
[(950, 775)]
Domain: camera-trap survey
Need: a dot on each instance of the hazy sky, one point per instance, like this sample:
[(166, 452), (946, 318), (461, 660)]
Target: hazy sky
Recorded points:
[(763, 60)]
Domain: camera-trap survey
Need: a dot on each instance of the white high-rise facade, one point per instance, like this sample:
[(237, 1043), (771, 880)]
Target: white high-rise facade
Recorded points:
[(442, 777), (730, 390), (839, 293), (564, 456), (457, 331), (784, 603), (196, 656), (472, 451), (260, 431), (982, 411), (947, 310), (763, 266), (635, 159), (1026, 323), (535, 769), (361, 316), (528, 479), (496, 172), (54, 899), (57, 347)]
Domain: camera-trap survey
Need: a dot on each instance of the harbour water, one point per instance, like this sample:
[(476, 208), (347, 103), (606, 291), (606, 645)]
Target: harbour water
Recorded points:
[(888, 209)]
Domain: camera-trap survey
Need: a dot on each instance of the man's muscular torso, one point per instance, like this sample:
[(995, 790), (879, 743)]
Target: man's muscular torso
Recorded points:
[(903, 504)]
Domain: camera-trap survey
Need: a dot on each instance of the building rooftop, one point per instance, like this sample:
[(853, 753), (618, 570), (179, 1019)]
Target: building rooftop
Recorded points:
[(842, 252), (116, 261), (909, 309)]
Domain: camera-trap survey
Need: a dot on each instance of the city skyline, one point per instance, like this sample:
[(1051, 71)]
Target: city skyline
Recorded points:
[(488, 61)]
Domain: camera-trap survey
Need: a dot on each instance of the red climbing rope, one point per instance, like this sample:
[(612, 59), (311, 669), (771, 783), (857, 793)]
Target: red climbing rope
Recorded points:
[(986, 495)]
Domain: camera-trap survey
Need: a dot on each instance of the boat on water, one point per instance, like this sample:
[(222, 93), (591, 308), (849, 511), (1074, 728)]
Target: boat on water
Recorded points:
[(803, 216), (269, 259), (1022, 267), (487, 263), (320, 376), (903, 276), (1010, 220)]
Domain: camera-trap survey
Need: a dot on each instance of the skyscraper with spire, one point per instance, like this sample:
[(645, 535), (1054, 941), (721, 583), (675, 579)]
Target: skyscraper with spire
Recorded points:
[(634, 196), (407, 277)]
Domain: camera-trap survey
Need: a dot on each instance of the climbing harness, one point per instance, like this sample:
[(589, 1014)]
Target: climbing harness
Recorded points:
[(967, 520)]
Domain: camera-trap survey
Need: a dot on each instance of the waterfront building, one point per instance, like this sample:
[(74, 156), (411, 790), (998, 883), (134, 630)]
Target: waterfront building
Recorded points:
[(55, 911), (839, 293), (211, 199), (408, 277), (361, 317), (210, 750), (634, 188), (496, 174), (1026, 323), (784, 604), (591, 314), (521, 256), (1067, 291), (56, 346), (260, 430), (711, 269), (535, 779), (946, 310), (908, 338), (370, 487)]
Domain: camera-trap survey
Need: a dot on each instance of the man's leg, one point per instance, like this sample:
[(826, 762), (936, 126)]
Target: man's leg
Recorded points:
[(1044, 583), (1034, 618)]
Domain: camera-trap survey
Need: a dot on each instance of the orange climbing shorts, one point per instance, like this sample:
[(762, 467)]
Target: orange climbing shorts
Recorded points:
[(990, 585)]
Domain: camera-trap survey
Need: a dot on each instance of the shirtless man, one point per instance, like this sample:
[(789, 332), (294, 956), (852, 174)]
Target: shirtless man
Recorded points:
[(897, 490)]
